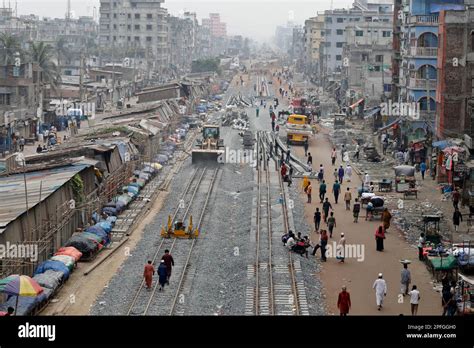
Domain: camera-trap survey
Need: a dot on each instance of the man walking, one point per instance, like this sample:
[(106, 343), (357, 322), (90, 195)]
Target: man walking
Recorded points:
[(357, 150), (414, 300), (348, 172), (423, 170), (306, 145), (333, 156), (356, 210), (340, 173), (288, 155), (326, 207), (380, 287), (148, 273), (456, 197), (310, 159), (405, 279), (309, 190), (348, 198), (322, 191), (457, 218), (169, 263), (344, 302), (331, 221), (336, 189), (341, 246), (162, 274), (317, 219)]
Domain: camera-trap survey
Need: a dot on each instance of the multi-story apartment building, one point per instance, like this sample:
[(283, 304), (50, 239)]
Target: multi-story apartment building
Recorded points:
[(367, 60), (336, 22), (313, 40), (455, 83), (20, 102), (284, 36), (415, 55), (136, 24), (217, 28), (181, 43), (297, 49)]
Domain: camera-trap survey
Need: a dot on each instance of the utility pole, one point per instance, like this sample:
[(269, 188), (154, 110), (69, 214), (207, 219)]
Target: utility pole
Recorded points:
[(81, 78)]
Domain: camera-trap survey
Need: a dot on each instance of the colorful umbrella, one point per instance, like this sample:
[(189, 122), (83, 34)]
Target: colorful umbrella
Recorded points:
[(20, 285)]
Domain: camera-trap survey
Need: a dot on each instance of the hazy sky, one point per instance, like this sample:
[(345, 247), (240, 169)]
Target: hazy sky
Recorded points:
[(253, 18)]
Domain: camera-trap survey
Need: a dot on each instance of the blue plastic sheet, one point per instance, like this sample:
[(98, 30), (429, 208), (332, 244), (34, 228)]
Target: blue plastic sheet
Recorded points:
[(54, 266)]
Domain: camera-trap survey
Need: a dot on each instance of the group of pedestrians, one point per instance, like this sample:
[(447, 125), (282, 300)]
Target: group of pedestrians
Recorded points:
[(164, 271)]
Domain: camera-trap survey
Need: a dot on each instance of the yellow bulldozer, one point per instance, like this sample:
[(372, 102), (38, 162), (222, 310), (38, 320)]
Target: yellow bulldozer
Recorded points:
[(210, 147), (179, 230)]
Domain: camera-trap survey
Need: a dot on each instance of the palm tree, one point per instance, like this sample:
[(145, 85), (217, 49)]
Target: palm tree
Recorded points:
[(9, 46), (42, 54)]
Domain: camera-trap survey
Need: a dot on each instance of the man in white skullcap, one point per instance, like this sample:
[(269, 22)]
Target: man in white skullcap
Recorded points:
[(380, 287)]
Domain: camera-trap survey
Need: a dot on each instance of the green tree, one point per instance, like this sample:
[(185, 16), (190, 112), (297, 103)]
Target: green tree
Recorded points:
[(42, 54), (9, 46), (61, 50), (205, 65)]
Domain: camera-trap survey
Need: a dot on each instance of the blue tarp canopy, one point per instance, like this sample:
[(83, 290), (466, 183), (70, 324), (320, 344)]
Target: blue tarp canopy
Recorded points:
[(442, 144), (54, 266)]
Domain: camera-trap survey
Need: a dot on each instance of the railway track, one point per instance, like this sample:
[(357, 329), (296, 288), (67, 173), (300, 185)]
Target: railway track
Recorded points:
[(276, 290), (172, 299)]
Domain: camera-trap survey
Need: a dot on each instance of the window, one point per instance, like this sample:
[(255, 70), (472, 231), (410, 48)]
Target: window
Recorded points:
[(338, 57), (365, 57), (356, 19), (129, 38), (328, 31), (115, 15), (129, 27), (339, 32), (377, 68), (129, 16), (149, 27), (107, 15), (387, 87), (327, 44), (339, 44), (340, 20), (137, 26), (115, 38), (386, 33), (115, 26), (137, 16), (328, 19), (149, 16), (4, 99), (148, 39), (137, 38), (359, 33), (379, 58)]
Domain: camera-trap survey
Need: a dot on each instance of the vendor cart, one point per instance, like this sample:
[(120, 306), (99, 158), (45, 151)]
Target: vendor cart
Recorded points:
[(465, 295), (405, 179), (431, 228)]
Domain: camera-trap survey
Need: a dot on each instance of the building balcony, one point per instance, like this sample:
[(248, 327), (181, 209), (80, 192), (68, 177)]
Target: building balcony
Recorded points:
[(424, 20), (422, 83), (424, 51)]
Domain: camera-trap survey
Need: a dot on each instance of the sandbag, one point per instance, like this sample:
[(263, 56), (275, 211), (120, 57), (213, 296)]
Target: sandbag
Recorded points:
[(100, 239), (26, 304), (141, 182), (111, 219), (54, 266), (109, 211)]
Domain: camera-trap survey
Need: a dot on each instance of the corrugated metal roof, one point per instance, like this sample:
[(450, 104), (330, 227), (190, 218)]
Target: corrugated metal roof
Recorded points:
[(12, 190)]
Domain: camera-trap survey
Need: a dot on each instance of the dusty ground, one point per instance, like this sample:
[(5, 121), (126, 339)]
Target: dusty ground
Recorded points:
[(359, 276)]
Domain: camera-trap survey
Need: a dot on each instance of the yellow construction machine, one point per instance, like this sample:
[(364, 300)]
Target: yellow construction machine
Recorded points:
[(210, 147), (179, 230)]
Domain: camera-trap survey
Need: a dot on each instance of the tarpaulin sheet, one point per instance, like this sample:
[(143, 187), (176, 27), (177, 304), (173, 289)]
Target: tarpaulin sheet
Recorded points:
[(49, 279), (54, 266), (106, 226), (69, 261), (70, 251), (443, 263), (101, 239), (26, 304), (86, 246)]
